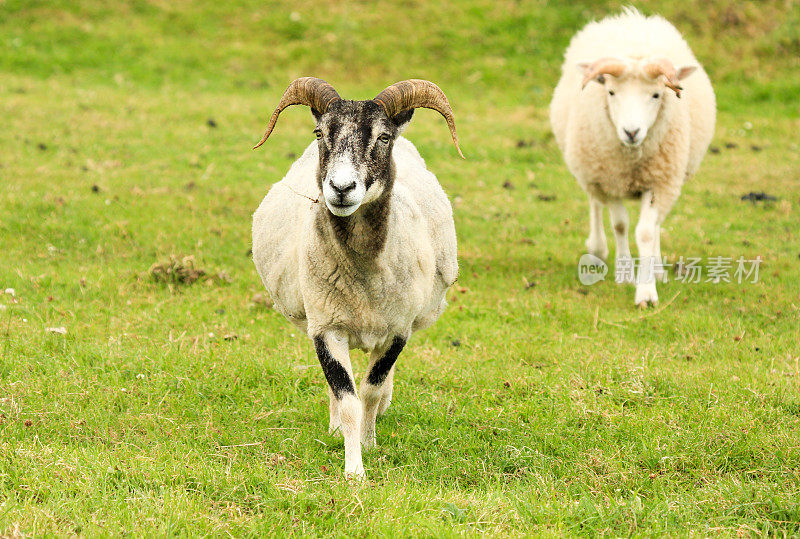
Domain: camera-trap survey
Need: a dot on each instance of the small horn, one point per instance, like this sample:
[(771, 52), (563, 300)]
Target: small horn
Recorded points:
[(310, 91), (662, 66), (416, 93), (603, 66)]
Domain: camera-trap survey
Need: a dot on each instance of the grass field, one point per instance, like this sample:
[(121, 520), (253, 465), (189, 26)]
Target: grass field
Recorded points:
[(534, 406)]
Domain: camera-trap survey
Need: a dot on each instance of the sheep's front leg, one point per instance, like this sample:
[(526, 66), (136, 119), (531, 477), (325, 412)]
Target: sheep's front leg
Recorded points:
[(333, 353), (646, 231), (379, 374), (596, 244), (620, 223)]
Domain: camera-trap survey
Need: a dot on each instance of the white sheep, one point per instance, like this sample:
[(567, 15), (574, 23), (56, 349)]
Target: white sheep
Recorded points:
[(640, 132), (373, 261)]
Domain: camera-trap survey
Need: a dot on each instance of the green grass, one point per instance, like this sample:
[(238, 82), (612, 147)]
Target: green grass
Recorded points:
[(552, 409)]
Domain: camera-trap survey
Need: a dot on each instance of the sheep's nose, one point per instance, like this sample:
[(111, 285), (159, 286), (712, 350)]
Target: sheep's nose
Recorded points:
[(342, 190), (631, 134)]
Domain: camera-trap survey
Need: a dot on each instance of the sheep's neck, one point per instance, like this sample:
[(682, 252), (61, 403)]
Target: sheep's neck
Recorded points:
[(362, 234)]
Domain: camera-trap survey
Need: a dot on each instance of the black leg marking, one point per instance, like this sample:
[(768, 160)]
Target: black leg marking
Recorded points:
[(382, 367), (336, 375)]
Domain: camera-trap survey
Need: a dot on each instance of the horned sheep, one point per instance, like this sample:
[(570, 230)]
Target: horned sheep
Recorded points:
[(372, 262)]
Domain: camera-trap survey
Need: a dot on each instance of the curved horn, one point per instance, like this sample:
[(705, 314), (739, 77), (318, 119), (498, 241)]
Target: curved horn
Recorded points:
[(603, 66), (417, 93), (310, 91), (662, 66)]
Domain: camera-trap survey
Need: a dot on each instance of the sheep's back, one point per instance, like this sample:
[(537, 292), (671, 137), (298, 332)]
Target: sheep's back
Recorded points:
[(427, 193), (627, 34)]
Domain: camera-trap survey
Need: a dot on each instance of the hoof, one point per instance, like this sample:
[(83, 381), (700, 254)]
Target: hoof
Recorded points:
[(356, 475), (602, 254), (646, 295)]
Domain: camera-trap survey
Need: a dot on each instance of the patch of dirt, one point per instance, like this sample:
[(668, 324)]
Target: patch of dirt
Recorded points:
[(183, 270), (176, 270)]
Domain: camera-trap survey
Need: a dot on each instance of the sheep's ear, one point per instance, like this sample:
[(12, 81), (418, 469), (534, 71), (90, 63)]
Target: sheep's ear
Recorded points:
[(401, 119), (685, 71), (583, 67), (317, 114)]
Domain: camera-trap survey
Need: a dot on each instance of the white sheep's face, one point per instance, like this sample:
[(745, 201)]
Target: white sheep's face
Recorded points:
[(633, 105), (355, 140)]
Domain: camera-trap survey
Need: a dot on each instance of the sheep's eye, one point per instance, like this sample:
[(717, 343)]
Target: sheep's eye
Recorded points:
[(611, 92), (656, 95), (384, 138), (318, 133)]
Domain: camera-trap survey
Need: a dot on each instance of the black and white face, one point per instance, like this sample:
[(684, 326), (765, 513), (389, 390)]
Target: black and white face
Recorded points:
[(355, 141)]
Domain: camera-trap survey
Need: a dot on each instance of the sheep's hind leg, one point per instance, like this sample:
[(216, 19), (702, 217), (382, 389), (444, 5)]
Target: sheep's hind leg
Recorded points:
[(620, 223), (388, 390), (334, 357), (335, 422), (596, 244), (373, 392), (646, 231)]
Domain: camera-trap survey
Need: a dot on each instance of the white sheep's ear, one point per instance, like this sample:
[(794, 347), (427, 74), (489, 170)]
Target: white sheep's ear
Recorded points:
[(685, 71), (584, 68)]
